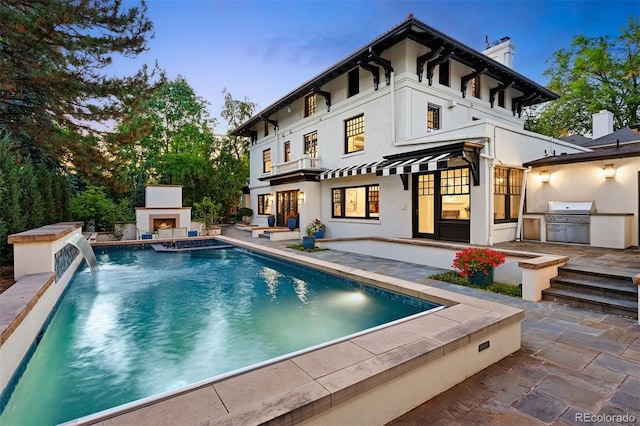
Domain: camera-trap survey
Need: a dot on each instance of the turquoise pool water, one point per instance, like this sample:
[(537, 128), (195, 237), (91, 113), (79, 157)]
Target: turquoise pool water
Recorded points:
[(156, 322)]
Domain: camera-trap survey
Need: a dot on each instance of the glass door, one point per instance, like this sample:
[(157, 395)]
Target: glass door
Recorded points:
[(287, 202), (425, 202)]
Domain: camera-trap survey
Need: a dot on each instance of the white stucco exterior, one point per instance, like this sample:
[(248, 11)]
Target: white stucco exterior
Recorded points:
[(395, 122)]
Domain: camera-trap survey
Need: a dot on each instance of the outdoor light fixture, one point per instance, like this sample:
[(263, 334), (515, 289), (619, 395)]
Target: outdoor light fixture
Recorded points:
[(544, 175), (300, 197), (609, 171), (288, 108)]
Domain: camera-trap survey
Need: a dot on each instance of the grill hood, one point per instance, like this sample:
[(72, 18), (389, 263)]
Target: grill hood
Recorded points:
[(571, 207)]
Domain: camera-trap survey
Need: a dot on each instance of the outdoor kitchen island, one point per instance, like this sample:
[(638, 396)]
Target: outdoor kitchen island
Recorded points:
[(579, 223)]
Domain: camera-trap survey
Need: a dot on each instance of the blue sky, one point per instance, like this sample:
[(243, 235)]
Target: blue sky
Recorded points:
[(264, 49)]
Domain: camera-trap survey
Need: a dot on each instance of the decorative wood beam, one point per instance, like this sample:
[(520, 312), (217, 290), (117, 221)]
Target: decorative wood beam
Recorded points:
[(274, 123), (326, 96), (426, 58), (375, 72), (465, 79), (495, 90), (431, 65)]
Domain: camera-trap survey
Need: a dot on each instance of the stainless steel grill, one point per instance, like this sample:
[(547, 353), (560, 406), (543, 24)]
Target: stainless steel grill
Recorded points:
[(569, 221)]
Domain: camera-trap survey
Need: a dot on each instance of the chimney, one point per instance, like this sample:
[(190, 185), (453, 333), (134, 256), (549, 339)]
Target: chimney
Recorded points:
[(501, 51), (602, 124)]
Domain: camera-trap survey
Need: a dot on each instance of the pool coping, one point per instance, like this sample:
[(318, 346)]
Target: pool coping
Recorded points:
[(312, 385)]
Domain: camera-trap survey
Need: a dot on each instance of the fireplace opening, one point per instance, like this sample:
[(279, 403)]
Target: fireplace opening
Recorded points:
[(164, 223)]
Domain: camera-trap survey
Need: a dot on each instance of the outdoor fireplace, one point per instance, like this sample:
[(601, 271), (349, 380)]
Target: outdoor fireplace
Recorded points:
[(569, 221), (164, 223)]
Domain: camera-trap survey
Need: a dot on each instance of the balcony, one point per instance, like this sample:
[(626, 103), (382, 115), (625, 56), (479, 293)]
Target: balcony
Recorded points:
[(305, 162)]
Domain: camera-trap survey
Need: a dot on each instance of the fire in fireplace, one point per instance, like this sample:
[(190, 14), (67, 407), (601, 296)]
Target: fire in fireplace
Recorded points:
[(163, 223)]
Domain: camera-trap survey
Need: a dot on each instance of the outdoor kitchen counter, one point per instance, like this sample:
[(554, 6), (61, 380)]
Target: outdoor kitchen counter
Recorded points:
[(611, 230)]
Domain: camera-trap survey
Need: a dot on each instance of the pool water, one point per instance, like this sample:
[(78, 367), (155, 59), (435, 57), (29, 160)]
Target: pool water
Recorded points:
[(156, 322)]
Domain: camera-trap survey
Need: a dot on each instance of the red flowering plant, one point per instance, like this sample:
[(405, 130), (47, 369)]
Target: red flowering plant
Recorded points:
[(475, 259)]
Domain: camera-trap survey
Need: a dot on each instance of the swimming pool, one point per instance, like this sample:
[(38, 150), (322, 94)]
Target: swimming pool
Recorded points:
[(159, 321)]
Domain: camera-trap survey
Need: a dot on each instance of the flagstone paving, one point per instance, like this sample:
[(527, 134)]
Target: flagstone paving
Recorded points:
[(572, 361)]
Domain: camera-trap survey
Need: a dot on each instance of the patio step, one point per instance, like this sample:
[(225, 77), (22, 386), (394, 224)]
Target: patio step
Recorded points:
[(597, 289)]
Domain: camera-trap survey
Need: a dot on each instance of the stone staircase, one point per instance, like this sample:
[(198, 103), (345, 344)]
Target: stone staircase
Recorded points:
[(599, 289)]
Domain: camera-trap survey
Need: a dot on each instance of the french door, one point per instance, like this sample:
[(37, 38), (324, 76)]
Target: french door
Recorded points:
[(442, 205), (287, 202)]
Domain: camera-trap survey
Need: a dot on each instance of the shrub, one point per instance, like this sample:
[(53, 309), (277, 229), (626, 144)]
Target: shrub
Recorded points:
[(475, 259)]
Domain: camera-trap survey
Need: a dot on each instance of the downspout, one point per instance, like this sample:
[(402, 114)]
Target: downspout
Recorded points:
[(393, 107), (522, 197)]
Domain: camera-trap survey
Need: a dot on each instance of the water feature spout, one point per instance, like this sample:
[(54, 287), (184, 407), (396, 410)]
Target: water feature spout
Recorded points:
[(81, 243)]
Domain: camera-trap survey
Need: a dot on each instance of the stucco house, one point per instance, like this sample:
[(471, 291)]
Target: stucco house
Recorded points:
[(412, 135)]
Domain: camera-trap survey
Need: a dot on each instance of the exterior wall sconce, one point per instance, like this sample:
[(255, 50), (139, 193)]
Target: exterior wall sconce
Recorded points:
[(609, 171), (545, 175), (270, 200), (300, 197)]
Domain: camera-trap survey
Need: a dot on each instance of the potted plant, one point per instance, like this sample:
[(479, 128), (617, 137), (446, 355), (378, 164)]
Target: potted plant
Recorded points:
[(318, 228), (271, 221), (292, 220), (477, 264), (308, 240)]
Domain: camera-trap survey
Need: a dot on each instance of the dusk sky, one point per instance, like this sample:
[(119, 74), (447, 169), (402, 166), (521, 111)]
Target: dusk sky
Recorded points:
[(264, 49)]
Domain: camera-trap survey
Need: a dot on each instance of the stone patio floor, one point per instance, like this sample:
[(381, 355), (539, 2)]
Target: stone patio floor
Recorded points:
[(573, 363)]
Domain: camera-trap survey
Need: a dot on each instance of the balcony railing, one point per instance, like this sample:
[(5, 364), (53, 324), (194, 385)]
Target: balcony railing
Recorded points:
[(305, 162)]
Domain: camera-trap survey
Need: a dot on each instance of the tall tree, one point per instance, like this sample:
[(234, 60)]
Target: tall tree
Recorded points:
[(169, 141), (54, 86), (593, 74)]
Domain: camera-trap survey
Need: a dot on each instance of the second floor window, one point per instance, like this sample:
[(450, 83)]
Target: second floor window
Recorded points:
[(309, 105), (311, 144), (354, 134), (501, 101), (443, 74), (287, 151), (266, 161), (354, 82), (266, 128), (507, 184), (433, 117), (475, 87)]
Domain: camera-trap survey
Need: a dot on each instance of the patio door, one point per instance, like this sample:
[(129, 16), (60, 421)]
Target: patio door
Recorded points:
[(287, 202), (442, 201)]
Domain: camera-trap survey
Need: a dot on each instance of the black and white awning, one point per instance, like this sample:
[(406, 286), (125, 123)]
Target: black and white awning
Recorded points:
[(360, 169), (413, 165)]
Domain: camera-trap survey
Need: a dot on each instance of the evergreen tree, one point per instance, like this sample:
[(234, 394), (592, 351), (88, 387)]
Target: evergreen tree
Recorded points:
[(54, 84), (45, 183), (31, 203)]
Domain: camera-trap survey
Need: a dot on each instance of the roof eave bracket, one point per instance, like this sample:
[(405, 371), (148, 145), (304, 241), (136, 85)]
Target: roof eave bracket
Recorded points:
[(421, 60), (465, 79), (375, 72), (496, 90), (274, 123), (326, 96), (384, 63), (431, 65)]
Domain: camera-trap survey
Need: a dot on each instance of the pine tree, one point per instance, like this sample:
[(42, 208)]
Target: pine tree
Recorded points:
[(54, 83), (31, 203)]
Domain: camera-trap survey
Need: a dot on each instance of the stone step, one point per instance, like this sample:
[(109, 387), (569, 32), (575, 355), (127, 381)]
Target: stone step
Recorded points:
[(592, 301), (619, 288), (585, 269)]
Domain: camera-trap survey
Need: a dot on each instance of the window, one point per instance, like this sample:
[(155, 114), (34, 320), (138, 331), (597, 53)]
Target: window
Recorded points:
[(263, 203), (309, 105), (266, 128), (501, 102), (287, 151), (354, 134), (475, 87), (354, 82), (443, 73), (311, 144), (433, 117), (356, 202), (266, 161), (506, 194), (454, 191)]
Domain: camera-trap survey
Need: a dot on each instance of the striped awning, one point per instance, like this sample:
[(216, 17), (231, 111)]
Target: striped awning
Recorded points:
[(360, 169), (413, 165)]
